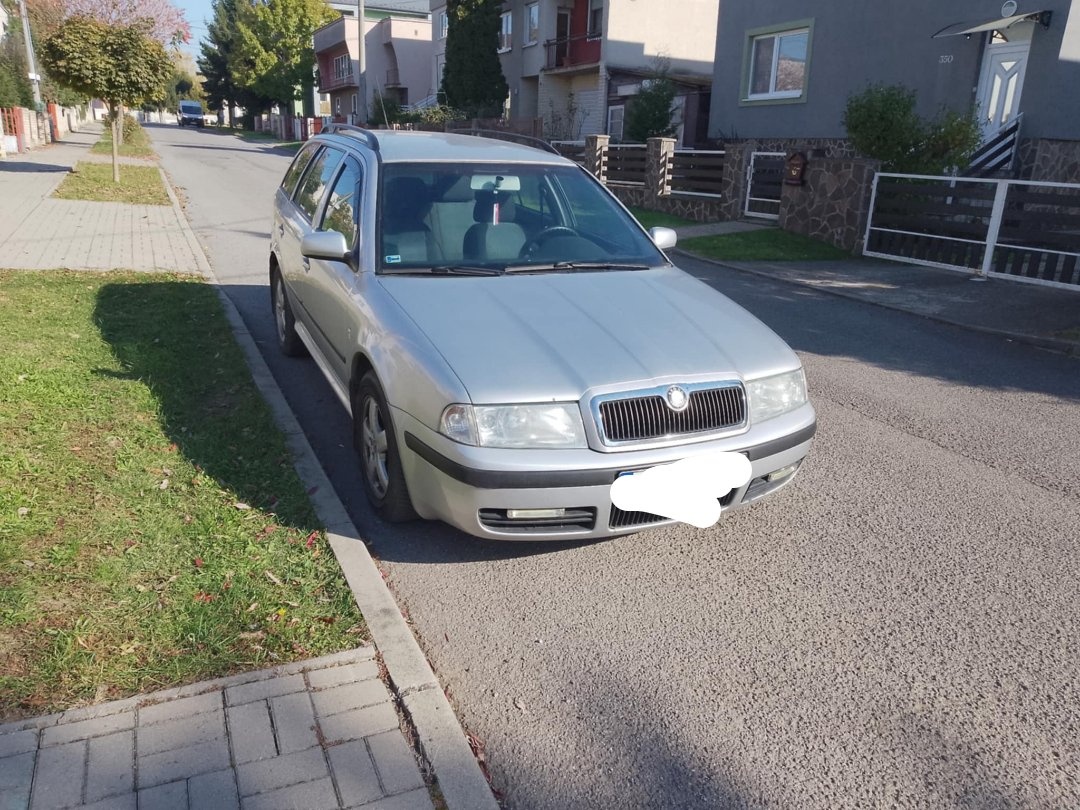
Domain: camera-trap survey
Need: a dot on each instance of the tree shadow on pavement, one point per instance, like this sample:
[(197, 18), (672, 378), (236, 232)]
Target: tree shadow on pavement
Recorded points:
[(25, 167)]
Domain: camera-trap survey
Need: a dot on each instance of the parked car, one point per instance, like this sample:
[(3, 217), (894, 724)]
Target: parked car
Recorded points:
[(190, 112), (509, 340)]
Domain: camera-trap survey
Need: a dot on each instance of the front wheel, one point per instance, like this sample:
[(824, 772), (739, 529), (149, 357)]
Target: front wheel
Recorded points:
[(380, 462)]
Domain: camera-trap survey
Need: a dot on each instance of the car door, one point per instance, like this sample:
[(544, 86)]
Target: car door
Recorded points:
[(285, 229), (331, 284), (308, 198)]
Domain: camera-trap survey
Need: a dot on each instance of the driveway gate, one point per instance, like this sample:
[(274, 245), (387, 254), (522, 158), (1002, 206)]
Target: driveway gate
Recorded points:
[(1010, 228), (764, 180)]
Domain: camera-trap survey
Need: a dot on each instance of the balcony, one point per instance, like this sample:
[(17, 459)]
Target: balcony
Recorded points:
[(574, 51), (334, 81)]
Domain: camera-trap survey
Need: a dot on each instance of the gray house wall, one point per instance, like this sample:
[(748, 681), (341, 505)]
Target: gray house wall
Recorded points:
[(855, 43)]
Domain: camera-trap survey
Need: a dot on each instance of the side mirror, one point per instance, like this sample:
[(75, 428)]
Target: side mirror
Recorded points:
[(663, 238), (324, 245)]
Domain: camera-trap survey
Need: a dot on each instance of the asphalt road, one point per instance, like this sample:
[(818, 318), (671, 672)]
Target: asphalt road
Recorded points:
[(900, 627)]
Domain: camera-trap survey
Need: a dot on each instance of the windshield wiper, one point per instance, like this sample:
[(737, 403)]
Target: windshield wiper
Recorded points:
[(575, 266), (445, 270)]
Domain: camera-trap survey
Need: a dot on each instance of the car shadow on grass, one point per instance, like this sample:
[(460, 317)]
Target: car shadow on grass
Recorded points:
[(173, 337)]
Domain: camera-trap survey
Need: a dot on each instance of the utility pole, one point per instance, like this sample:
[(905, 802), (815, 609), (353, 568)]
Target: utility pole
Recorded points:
[(31, 63), (361, 67)]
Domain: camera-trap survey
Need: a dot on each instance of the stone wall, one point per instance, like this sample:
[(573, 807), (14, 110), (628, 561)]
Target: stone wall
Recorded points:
[(1048, 160), (834, 202), (698, 209)]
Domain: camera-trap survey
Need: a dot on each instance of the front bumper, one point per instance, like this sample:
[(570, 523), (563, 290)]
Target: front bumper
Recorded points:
[(473, 488)]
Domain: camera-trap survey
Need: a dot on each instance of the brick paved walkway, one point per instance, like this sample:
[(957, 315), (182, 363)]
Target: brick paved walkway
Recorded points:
[(321, 733), (41, 232)]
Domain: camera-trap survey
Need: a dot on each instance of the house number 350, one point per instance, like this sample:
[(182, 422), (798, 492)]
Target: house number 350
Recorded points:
[(944, 60)]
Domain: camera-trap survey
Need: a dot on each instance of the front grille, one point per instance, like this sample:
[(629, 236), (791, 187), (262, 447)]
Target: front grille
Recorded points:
[(625, 520), (572, 520), (649, 417)]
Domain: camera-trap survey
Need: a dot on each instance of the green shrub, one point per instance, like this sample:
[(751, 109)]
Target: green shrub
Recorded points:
[(883, 124)]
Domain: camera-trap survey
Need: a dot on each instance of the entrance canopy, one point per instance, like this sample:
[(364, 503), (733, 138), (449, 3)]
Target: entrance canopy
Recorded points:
[(998, 24)]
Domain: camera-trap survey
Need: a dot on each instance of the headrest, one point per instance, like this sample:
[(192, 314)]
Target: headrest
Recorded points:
[(484, 209), (407, 198)]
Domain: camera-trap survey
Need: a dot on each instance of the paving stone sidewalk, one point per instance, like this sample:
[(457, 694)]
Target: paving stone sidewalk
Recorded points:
[(318, 734), (40, 232)]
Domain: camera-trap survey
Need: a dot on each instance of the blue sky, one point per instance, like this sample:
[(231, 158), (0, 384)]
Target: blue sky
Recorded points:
[(197, 13)]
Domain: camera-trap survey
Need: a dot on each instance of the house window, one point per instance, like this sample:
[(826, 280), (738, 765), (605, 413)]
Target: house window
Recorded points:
[(506, 31), (615, 122), (444, 25), (596, 18), (342, 68), (532, 23), (778, 65)]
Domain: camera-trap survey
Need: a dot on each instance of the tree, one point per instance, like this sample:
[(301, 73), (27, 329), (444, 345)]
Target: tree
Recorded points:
[(166, 22), (216, 63), (272, 51), (649, 113), (120, 64), (882, 123), (473, 80), (15, 89)]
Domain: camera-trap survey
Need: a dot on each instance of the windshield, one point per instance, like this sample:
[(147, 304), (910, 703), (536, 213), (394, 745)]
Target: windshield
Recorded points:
[(492, 218), (191, 107)]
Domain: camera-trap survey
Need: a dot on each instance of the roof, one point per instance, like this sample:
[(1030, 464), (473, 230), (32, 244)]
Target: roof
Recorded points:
[(418, 147), (403, 6)]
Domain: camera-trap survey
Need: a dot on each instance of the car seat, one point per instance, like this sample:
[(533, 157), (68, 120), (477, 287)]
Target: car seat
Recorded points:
[(406, 237), (495, 236)]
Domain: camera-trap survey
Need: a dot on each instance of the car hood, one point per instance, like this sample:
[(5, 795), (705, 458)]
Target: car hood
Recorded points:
[(553, 336)]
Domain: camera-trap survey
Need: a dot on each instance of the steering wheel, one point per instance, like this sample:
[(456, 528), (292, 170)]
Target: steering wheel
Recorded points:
[(537, 241)]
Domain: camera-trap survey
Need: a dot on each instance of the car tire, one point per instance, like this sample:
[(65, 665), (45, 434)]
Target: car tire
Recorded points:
[(284, 322), (380, 461)]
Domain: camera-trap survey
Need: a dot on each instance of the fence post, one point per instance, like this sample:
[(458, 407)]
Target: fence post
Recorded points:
[(596, 147), (659, 153), (995, 228)]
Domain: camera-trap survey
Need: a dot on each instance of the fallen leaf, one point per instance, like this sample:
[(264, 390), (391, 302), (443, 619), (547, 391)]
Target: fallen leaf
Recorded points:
[(257, 635), (164, 484), (23, 511), (204, 597), (326, 619), (172, 447), (166, 471), (198, 562), (241, 506), (311, 538), (75, 448), (273, 579), (252, 607)]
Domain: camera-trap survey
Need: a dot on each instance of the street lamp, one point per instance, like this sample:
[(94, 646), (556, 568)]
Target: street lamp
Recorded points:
[(31, 64)]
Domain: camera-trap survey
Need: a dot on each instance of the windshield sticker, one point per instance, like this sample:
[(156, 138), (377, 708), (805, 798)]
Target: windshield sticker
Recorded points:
[(395, 259)]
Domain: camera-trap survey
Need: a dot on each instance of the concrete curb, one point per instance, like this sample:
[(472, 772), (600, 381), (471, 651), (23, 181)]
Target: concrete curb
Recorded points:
[(1066, 347), (442, 740)]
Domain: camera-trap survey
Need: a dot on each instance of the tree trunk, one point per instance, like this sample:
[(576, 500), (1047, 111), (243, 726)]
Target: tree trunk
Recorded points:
[(117, 129), (120, 129)]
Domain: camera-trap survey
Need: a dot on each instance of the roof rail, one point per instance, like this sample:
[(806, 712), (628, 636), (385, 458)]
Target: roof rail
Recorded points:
[(353, 131), (502, 135)]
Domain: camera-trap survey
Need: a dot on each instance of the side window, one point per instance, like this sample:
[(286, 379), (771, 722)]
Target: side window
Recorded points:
[(300, 162), (343, 207), (310, 193)]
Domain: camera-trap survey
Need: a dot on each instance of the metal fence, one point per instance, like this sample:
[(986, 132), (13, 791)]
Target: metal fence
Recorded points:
[(764, 183), (626, 164), (697, 172), (1019, 229)]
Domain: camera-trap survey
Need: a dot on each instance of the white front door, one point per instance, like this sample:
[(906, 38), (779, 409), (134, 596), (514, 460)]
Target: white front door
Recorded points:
[(1000, 85)]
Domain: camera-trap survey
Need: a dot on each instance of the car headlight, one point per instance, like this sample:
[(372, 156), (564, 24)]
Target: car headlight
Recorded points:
[(775, 395), (549, 425)]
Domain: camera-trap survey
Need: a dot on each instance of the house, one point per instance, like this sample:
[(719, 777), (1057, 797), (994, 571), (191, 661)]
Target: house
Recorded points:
[(397, 55), (577, 64), (784, 70)]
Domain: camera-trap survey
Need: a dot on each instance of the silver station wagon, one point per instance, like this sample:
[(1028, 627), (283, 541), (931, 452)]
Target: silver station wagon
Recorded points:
[(509, 340)]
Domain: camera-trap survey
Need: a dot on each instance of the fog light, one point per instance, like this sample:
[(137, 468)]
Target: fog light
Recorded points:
[(534, 514), (783, 472)]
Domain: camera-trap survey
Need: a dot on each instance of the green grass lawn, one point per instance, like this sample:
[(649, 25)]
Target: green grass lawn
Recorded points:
[(767, 244), (153, 531), (94, 181), (655, 219), (136, 144)]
